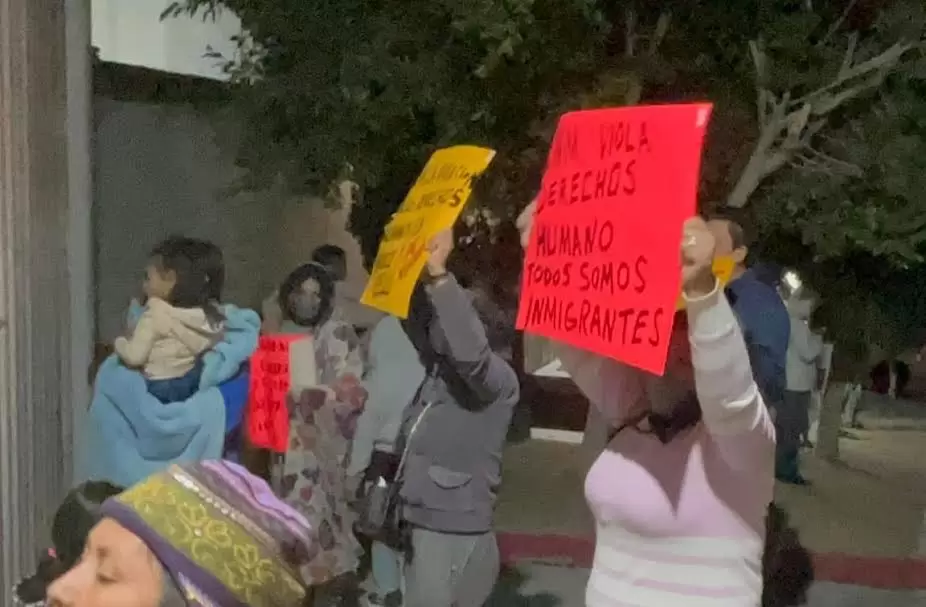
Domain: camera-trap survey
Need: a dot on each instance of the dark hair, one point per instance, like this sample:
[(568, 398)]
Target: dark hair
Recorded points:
[(213, 264), (738, 236), (200, 271), (74, 519), (787, 567), (332, 258), (292, 286)]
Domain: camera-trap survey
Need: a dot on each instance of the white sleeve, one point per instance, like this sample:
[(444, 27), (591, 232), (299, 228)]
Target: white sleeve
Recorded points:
[(730, 400)]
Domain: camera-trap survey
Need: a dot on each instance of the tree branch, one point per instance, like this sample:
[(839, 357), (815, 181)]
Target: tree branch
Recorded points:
[(659, 34), (761, 67), (630, 33), (789, 128), (812, 159), (838, 23), (850, 54), (754, 171), (885, 62)]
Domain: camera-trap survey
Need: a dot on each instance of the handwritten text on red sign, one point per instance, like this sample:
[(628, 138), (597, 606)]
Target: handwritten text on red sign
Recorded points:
[(268, 415), (602, 268)]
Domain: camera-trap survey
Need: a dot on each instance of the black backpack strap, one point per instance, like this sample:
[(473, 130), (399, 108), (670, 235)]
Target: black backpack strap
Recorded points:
[(633, 421)]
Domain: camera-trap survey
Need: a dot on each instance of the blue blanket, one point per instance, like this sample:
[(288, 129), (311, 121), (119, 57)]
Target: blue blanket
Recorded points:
[(132, 435)]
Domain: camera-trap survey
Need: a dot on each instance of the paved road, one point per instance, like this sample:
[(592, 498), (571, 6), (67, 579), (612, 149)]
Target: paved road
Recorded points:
[(548, 586), (871, 504)]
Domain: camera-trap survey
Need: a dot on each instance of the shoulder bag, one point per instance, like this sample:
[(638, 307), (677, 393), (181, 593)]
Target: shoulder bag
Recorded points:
[(380, 511)]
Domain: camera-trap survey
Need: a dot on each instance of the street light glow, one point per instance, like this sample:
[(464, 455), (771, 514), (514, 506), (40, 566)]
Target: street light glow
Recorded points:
[(793, 281)]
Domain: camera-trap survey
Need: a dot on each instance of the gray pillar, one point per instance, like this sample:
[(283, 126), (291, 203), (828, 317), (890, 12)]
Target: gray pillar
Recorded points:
[(34, 298), (80, 224)]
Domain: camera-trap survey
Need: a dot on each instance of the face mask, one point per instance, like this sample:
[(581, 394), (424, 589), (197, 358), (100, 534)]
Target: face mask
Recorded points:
[(306, 304)]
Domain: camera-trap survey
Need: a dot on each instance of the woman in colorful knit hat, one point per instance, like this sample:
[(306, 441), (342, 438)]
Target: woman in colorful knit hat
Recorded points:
[(207, 534)]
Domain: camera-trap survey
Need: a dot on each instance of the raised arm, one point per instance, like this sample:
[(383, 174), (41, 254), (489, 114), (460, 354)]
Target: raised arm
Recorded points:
[(486, 373), (134, 351), (730, 400)]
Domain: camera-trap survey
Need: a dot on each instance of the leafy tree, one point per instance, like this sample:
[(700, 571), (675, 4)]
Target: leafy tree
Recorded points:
[(835, 189), (818, 126), (367, 89), (841, 160)]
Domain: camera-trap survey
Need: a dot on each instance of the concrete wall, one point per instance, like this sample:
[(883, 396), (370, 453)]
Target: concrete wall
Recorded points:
[(131, 32), (162, 169)]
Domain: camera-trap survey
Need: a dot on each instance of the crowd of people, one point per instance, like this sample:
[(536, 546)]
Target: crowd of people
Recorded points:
[(395, 448)]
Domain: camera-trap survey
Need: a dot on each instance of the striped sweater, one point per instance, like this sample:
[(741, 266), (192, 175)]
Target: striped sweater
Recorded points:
[(682, 523)]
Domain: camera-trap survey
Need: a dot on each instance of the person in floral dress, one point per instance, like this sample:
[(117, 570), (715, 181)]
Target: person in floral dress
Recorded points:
[(323, 419)]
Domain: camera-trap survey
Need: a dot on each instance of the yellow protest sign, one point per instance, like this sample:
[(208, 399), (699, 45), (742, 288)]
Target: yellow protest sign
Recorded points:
[(723, 269), (433, 204)]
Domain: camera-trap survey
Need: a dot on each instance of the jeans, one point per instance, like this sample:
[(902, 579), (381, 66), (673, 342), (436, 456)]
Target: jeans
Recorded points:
[(790, 421), (387, 568), (449, 570), (177, 389)]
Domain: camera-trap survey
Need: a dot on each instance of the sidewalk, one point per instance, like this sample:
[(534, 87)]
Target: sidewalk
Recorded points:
[(861, 518)]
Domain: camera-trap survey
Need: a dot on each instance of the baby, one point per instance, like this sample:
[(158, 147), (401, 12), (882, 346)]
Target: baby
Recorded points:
[(180, 322)]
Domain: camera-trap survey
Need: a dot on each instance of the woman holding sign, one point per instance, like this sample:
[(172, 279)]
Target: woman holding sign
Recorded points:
[(681, 493), (452, 438)]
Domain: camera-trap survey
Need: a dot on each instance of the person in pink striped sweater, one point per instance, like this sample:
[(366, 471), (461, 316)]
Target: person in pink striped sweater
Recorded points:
[(681, 493)]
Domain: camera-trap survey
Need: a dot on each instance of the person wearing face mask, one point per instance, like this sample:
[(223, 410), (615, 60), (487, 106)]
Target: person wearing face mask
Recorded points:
[(452, 437), (681, 493), (312, 476)]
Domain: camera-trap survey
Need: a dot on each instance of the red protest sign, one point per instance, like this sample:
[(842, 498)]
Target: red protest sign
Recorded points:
[(602, 267), (268, 415)]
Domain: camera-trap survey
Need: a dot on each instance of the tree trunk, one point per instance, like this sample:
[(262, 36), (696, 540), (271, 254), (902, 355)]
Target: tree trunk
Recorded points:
[(831, 421)]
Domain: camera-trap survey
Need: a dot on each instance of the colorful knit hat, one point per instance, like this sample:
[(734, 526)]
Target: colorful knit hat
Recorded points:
[(221, 533)]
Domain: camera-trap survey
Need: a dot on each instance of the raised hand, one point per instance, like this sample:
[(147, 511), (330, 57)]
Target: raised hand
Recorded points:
[(439, 249), (525, 222), (697, 250)]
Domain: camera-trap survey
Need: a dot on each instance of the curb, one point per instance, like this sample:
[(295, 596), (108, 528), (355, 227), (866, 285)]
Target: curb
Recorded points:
[(872, 572)]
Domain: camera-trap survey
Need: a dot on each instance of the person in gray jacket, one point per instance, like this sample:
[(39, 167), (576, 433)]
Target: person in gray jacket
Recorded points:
[(394, 373), (454, 432)]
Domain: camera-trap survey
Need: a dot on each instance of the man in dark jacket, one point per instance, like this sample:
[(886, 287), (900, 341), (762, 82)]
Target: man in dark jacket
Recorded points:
[(762, 314), (766, 329), (454, 433)]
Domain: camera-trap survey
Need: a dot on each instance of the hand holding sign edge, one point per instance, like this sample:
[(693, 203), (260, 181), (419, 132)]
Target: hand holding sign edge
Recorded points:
[(697, 253), (439, 248)]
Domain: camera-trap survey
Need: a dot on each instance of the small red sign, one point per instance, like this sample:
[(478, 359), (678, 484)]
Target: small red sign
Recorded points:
[(268, 415)]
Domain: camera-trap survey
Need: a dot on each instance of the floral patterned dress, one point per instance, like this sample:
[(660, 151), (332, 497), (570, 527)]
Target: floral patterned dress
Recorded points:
[(322, 424)]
